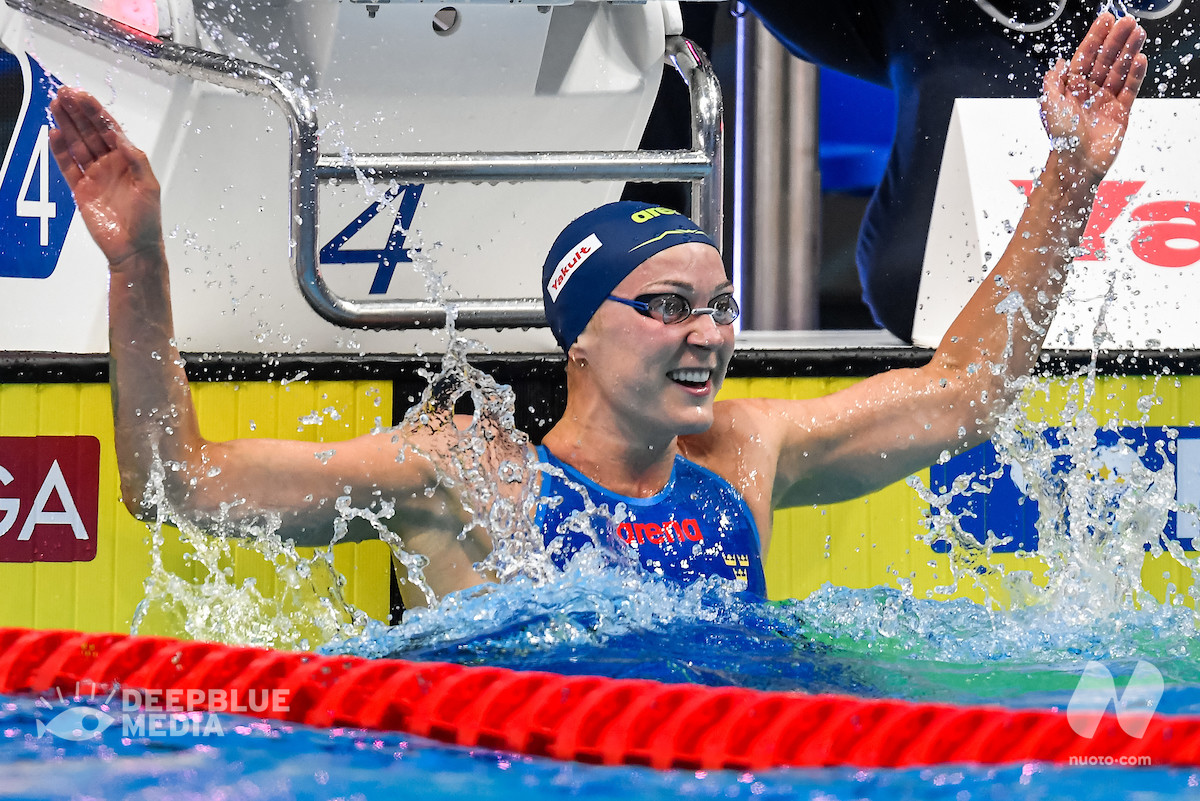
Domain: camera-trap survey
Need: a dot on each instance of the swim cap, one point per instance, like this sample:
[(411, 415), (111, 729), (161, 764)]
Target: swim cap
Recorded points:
[(595, 252)]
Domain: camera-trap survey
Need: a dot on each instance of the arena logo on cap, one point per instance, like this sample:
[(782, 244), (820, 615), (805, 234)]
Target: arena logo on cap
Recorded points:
[(646, 215), (570, 263)]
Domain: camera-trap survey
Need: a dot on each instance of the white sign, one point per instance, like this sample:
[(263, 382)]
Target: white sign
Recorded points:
[(507, 80), (1135, 284)]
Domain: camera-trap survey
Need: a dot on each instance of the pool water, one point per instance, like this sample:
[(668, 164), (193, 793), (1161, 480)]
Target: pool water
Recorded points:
[(260, 760), (867, 642), (878, 642), (603, 616)]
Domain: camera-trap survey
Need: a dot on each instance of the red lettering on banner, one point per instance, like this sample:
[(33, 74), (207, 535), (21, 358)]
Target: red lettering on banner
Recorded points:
[(1171, 221), (692, 530), (50, 488), (625, 531), (1112, 198), (654, 534)]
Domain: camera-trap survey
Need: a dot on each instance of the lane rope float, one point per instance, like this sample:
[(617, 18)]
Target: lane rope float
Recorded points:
[(583, 718)]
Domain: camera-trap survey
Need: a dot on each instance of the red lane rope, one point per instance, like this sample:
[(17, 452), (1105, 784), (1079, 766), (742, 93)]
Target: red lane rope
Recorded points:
[(584, 718)]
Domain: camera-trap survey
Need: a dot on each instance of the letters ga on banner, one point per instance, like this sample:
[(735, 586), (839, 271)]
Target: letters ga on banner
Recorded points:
[(49, 498)]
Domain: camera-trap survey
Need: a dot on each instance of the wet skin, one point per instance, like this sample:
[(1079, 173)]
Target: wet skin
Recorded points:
[(624, 400), (630, 410)]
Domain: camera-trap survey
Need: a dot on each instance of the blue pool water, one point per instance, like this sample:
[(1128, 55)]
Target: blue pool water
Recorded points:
[(256, 760), (601, 618), (618, 623), (876, 643)]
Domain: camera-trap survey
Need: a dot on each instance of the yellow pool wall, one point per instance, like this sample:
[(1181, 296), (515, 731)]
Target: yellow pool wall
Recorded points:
[(861, 543)]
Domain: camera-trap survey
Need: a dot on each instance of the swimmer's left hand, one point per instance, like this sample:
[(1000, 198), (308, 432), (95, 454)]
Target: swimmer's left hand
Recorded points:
[(1086, 104)]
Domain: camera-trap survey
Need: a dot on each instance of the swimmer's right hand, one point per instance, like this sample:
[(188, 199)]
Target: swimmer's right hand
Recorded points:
[(1086, 102), (115, 189)]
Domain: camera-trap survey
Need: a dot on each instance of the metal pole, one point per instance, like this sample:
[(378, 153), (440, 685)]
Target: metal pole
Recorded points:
[(780, 189)]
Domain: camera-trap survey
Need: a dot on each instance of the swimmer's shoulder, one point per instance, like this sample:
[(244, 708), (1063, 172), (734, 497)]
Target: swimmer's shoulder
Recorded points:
[(739, 419), (735, 450), (741, 445)]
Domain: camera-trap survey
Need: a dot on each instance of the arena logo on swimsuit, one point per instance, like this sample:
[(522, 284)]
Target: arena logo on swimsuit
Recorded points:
[(570, 263), (655, 534)]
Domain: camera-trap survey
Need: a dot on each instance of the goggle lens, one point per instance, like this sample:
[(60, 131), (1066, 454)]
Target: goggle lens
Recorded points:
[(670, 308)]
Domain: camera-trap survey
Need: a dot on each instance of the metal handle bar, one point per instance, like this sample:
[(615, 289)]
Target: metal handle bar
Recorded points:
[(702, 165), (649, 165)]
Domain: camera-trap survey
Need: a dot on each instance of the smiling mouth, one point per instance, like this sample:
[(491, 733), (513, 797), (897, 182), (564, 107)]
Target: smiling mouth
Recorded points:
[(693, 378)]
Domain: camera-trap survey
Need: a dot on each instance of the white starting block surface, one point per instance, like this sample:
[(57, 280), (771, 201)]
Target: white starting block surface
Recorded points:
[(1136, 283), (390, 79)]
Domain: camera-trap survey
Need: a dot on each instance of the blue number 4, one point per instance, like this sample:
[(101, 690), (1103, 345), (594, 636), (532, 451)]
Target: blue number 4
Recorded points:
[(393, 252)]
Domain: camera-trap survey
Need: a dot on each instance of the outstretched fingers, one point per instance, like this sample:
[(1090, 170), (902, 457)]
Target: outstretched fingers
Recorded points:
[(61, 150), (69, 144), (1086, 54), (86, 134), (82, 139), (1133, 81), (1124, 59), (1123, 35), (90, 132)]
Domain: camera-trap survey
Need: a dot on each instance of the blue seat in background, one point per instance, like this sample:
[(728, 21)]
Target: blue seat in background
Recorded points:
[(858, 121)]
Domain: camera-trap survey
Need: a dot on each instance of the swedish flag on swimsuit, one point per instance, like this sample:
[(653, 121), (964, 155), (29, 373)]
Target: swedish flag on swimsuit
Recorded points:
[(595, 252)]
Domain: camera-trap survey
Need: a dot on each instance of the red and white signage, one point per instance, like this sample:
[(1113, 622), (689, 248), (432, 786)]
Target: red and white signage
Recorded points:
[(49, 498), (1135, 282)]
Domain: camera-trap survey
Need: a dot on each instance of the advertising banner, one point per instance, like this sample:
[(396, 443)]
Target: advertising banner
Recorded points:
[(49, 498), (1135, 280)]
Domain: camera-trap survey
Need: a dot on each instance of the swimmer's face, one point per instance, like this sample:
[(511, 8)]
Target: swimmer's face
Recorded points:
[(664, 375)]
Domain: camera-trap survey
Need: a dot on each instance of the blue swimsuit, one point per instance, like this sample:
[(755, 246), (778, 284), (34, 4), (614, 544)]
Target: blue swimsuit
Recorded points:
[(698, 525)]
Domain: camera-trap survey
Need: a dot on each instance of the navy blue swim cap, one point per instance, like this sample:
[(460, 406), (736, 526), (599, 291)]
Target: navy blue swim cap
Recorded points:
[(595, 252)]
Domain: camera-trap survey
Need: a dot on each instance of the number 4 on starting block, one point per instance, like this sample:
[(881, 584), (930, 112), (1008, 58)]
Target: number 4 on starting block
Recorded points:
[(36, 205)]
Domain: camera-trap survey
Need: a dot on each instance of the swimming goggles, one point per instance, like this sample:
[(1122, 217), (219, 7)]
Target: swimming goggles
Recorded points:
[(670, 308), (1148, 9)]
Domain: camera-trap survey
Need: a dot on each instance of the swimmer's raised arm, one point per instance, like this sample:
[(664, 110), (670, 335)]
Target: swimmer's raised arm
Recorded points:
[(154, 417), (117, 195), (888, 426)]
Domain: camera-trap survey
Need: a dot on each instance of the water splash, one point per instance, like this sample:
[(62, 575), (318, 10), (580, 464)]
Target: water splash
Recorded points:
[(467, 455), (605, 618), (617, 621), (486, 462), (1104, 492), (305, 607)]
